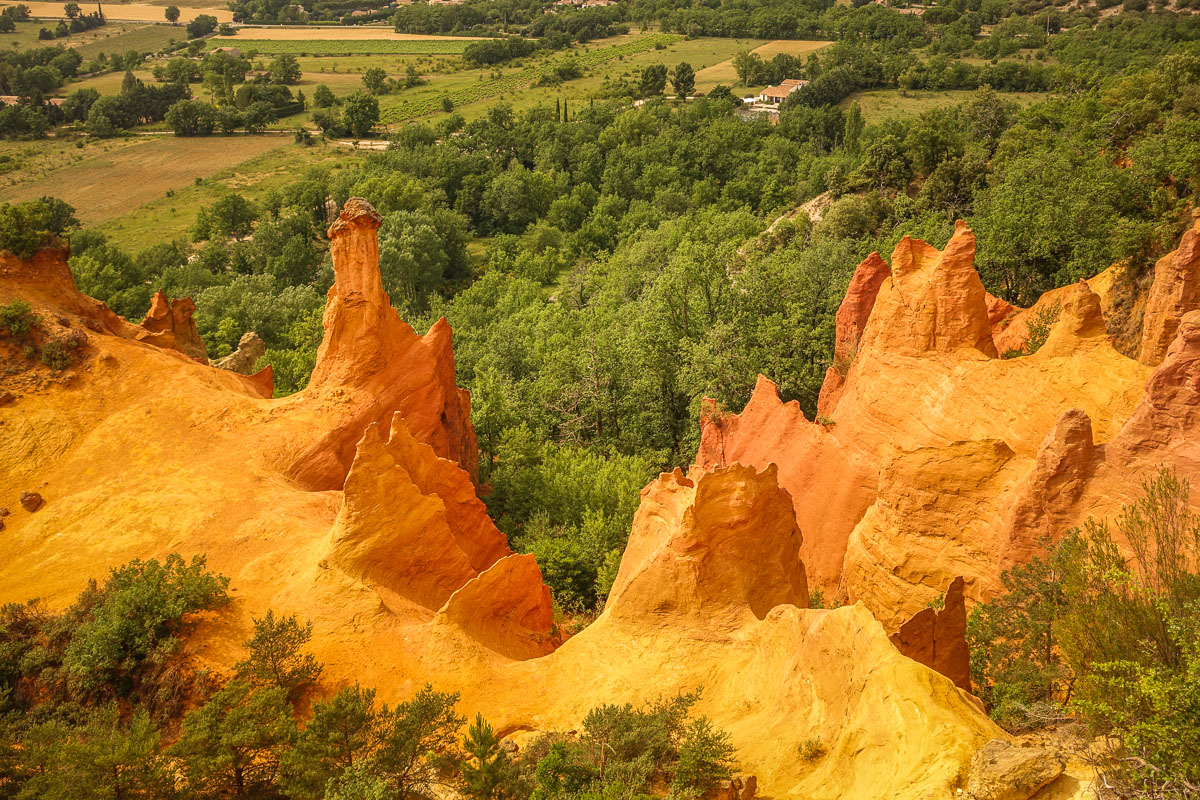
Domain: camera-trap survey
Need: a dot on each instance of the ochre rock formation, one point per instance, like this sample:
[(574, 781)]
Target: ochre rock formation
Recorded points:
[(170, 324), (1163, 427), (937, 460), (1175, 292), (1003, 771), (140, 452), (934, 301), (851, 319), (371, 364), (250, 349), (725, 542), (937, 638), (506, 608), (410, 522)]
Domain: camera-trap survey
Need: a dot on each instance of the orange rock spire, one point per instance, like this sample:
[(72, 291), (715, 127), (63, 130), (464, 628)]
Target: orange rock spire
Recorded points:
[(371, 364)]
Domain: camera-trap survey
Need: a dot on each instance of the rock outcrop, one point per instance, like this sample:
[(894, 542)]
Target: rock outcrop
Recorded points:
[(169, 323), (351, 504), (936, 459), (1004, 771), (725, 542), (1174, 293), (410, 522), (934, 301), (1163, 428), (250, 349), (852, 316), (937, 638), (371, 364), (506, 608)]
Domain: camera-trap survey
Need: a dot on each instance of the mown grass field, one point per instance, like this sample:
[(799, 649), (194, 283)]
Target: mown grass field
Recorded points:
[(108, 83), (128, 12), (106, 179), (880, 104), (331, 33)]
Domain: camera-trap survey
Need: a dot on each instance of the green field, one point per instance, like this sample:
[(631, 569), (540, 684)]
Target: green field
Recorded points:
[(115, 37), (123, 37), (171, 217), (881, 104), (347, 47), (463, 93)]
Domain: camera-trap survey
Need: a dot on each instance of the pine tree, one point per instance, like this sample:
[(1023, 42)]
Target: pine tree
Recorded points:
[(484, 769)]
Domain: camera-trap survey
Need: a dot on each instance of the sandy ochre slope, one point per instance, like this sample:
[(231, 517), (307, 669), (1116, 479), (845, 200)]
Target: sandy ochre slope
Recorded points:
[(353, 504)]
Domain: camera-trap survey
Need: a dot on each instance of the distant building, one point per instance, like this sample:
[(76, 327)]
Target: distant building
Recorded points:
[(233, 51), (777, 94)]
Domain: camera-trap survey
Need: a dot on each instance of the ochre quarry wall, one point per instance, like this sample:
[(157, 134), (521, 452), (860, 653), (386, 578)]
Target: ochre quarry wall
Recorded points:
[(352, 504)]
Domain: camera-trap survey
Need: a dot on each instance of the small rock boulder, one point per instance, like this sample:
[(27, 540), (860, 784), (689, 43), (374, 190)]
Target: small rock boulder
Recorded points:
[(739, 787), (31, 501), (249, 350), (1004, 771)]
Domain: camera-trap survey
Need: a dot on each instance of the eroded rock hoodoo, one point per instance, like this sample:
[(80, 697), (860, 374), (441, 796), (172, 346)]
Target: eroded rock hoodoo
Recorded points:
[(371, 364)]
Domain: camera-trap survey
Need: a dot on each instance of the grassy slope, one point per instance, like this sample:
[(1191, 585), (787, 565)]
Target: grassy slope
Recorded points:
[(115, 37), (880, 104), (108, 179)]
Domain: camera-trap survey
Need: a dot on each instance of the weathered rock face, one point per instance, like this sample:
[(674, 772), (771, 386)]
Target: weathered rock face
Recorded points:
[(851, 319), (1163, 428), (723, 543), (810, 460), (145, 452), (1174, 293), (1003, 771), (506, 608), (410, 522), (169, 323), (939, 460), (934, 302), (937, 638), (1065, 462), (371, 365), (249, 350)]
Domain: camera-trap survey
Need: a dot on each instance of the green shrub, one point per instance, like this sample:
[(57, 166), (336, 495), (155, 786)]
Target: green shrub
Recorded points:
[(275, 659), (810, 749), (55, 355), (1110, 632), (18, 319), (134, 618), (24, 227)]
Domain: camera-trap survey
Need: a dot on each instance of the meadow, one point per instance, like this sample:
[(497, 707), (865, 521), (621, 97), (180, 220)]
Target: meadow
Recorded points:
[(115, 37), (723, 72), (105, 179), (882, 104)]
